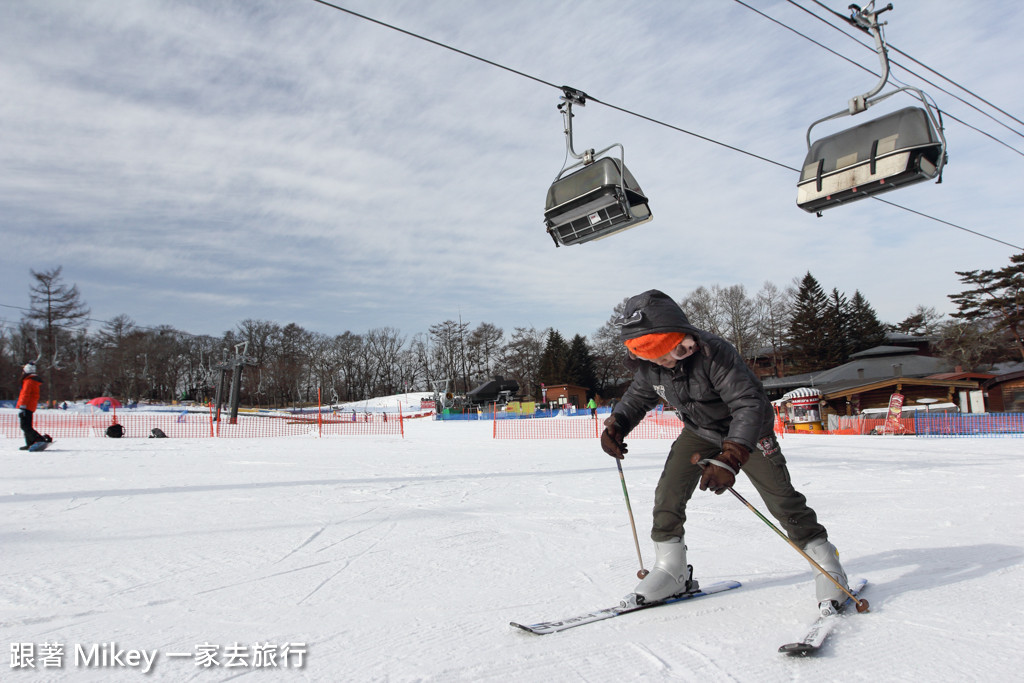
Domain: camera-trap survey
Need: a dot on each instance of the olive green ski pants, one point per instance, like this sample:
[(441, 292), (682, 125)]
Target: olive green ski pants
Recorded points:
[(766, 470)]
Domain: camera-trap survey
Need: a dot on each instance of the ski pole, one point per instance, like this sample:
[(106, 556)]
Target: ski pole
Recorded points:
[(622, 477), (862, 605)]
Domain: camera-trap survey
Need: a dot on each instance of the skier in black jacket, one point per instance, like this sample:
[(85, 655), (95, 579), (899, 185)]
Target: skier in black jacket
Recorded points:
[(727, 419)]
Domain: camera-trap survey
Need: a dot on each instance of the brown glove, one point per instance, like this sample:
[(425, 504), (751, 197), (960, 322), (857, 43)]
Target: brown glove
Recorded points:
[(612, 437), (718, 478)]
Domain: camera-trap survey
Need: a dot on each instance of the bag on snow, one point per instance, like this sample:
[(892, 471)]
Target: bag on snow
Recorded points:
[(115, 431), (157, 433)]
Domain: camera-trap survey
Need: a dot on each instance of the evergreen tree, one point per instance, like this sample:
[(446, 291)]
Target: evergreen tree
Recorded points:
[(579, 368), (57, 309), (996, 295), (864, 330), (806, 332), (923, 322), (836, 328), (555, 359)]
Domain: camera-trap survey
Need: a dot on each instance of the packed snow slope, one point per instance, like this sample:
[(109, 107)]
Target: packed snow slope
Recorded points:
[(391, 559)]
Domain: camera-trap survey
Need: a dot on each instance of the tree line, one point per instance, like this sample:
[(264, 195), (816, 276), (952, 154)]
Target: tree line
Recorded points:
[(797, 328)]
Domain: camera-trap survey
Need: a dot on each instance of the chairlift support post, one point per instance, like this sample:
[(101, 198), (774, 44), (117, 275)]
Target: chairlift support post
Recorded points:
[(902, 148), (234, 367), (601, 197)]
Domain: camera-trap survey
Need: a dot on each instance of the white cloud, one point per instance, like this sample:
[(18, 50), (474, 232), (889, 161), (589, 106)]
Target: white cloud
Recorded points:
[(288, 161)]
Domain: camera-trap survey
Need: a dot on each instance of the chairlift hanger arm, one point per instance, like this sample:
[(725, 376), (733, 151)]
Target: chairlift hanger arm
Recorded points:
[(570, 97), (867, 20)]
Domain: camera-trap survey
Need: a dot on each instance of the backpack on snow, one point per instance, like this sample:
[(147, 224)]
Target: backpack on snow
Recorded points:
[(115, 431), (157, 433)]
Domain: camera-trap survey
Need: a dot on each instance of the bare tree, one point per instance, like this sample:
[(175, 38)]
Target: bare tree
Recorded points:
[(773, 309), (260, 340), (703, 309), (482, 350), (117, 345), (521, 359), (449, 351), (739, 319), (352, 372), (608, 353), (970, 343), (323, 366), (383, 347)]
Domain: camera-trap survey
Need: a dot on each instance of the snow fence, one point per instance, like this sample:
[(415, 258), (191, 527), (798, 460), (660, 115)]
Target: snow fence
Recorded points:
[(61, 425)]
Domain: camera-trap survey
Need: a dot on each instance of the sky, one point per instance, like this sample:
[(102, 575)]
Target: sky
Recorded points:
[(413, 571), (197, 164)]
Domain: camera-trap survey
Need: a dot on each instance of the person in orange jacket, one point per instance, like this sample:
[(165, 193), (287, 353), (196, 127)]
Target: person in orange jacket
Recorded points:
[(28, 401)]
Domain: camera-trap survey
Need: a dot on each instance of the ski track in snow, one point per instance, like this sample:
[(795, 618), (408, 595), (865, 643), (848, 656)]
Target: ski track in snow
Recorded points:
[(404, 559)]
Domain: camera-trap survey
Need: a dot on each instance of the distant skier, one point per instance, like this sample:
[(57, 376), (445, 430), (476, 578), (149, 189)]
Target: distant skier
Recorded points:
[(592, 405), (28, 400), (726, 418)]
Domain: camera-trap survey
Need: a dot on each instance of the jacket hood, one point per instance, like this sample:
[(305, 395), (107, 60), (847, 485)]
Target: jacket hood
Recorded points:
[(650, 312)]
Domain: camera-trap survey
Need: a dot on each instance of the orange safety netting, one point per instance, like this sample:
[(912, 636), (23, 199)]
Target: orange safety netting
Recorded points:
[(198, 425), (653, 426)]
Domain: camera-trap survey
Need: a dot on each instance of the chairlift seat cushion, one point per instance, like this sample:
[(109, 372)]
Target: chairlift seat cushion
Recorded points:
[(596, 201), (897, 149)]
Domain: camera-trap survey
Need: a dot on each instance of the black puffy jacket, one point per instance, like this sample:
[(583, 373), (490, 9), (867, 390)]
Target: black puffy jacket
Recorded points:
[(717, 396)]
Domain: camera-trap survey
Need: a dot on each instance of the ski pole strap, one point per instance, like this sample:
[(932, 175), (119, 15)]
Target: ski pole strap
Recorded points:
[(711, 461)]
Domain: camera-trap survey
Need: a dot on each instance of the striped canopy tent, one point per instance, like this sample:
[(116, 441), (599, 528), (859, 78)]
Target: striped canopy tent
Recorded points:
[(802, 408), (802, 392)]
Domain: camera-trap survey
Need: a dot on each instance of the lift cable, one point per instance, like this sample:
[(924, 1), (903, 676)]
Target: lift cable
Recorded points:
[(873, 73), (635, 114), (919, 76), (896, 49)]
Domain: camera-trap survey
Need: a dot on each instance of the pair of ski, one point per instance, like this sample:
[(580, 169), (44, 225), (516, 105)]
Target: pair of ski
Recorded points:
[(810, 643)]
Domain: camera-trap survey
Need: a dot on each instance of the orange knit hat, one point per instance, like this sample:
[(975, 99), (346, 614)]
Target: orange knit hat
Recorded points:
[(654, 345)]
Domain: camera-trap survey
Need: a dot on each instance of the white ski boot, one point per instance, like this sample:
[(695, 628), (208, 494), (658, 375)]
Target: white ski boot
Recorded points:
[(825, 554), (669, 576)]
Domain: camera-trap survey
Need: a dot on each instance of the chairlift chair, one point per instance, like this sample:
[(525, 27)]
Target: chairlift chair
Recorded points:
[(902, 148), (598, 199), (892, 151)]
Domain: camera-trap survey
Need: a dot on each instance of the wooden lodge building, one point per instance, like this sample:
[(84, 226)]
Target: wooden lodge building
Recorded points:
[(871, 376)]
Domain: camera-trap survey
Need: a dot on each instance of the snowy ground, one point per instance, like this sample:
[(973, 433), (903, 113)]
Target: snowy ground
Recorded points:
[(389, 559)]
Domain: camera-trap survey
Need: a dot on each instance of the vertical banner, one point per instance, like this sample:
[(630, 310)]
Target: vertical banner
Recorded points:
[(780, 427), (892, 418)]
